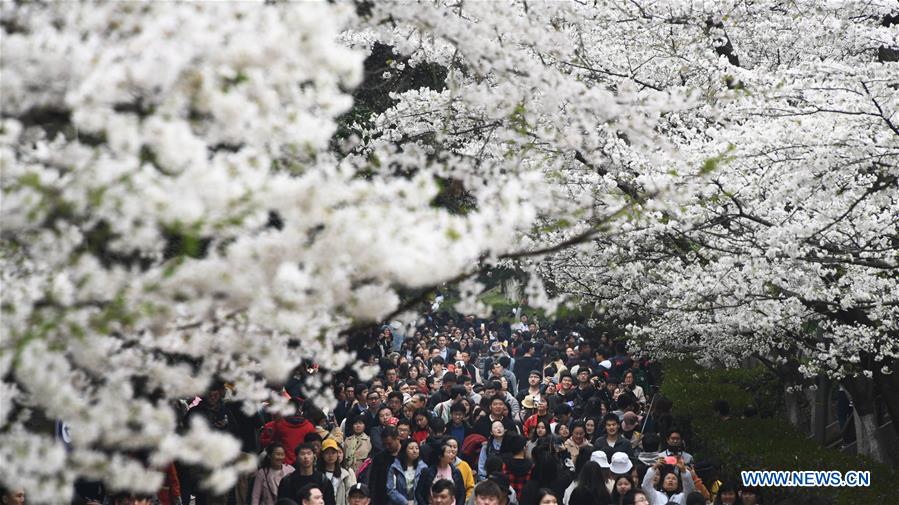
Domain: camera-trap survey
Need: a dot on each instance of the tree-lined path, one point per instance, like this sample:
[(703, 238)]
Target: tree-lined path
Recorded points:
[(195, 194)]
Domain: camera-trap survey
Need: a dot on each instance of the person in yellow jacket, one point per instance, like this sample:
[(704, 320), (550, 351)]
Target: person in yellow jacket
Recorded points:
[(464, 469)]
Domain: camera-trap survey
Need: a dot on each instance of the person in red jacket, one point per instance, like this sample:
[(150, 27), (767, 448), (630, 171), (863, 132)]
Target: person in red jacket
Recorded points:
[(542, 414), (170, 492), (290, 432)]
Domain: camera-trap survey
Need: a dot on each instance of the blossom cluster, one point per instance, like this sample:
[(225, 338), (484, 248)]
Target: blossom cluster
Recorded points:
[(782, 244)]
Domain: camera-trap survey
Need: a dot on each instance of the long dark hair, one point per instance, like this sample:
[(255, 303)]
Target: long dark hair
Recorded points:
[(338, 468), (618, 498), (591, 437), (533, 433), (543, 493), (593, 408), (420, 412), (267, 466), (444, 444), (583, 457), (546, 467), (592, 480), (404, 459)]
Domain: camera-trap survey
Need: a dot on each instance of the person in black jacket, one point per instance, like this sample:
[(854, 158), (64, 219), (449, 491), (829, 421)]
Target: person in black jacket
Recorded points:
[(383, 416), (584, 390), (447, 353), (306, 475), (443, 464), (345, 396), (463, 357), (526, 363), (566, 394), (218, 416), (497, 413), (613, 441), (548, 474), (380, 464), (444, 393)]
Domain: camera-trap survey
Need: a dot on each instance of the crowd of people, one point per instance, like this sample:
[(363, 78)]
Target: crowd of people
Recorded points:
[(464, 411)]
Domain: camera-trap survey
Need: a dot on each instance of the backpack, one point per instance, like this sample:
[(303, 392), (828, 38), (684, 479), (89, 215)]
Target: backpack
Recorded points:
[(266, 434), (471, 449), (619, 365)]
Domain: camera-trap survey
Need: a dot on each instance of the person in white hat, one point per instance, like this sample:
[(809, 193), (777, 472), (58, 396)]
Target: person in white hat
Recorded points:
[(601, 458), (620, 464)]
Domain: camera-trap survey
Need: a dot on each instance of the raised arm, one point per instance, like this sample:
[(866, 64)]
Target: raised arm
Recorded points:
[(687, 479), (655, 497), (648, 478)]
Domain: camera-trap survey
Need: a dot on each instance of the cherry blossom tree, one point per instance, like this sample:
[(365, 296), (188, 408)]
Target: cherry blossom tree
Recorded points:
[(786, 248), (184, 199), (197, 192)]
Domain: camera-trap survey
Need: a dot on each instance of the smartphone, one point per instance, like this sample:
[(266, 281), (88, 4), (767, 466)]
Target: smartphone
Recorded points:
[(670, 460)]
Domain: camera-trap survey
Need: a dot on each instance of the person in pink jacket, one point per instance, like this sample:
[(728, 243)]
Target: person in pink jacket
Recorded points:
[(265, 487)]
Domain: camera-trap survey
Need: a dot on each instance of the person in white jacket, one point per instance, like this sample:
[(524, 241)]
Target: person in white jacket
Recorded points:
[(675, 483)]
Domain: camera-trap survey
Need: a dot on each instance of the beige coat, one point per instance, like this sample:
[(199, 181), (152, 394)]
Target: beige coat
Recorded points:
[(573, 448), (356, 448)]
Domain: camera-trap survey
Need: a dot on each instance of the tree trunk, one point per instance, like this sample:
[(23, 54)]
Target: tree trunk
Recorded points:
[(888, 384), (793, 404), (861, 391), (809, 399), (820, 410), (867, 442)]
